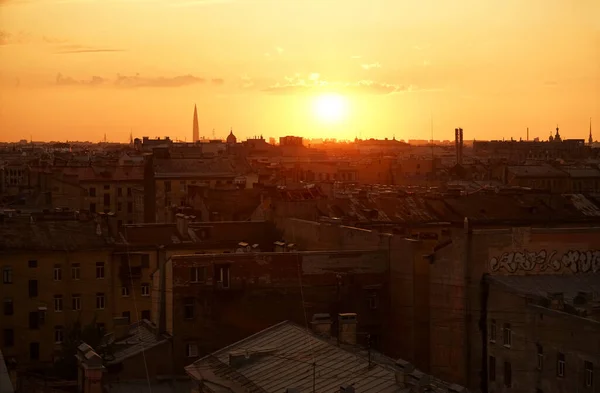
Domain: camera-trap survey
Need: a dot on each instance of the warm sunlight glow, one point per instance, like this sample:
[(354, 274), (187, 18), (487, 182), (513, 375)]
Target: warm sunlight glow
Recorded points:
[(331, 108)]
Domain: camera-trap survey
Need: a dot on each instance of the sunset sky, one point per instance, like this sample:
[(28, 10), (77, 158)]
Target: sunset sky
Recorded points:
[(77, 69)]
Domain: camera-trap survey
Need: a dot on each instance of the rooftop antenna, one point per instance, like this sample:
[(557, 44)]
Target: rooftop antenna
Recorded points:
[(527, 133)]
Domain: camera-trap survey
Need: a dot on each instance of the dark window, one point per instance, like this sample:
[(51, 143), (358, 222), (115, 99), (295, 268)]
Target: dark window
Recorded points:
[(34, 320), (507, 375), (167, 186), (32, 263), (188, 308), (7, 275), (9, 338), (145, 260), (106, 199), (57, 272), (119, 206), (129, 207), (75, 271), (119, 191), (9, 308), (589, 373), (492, 368), (128, 191), (107, 186), (92, 191), (146, 314), (33, 288), (540, 357), (223, 276), (560, 364), (507, 335), (99, 269), (100, 301), (93, 207), (34, 351), (198, 274), (127, 314)]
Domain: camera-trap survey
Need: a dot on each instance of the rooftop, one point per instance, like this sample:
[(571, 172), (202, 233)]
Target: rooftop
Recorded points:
[(288, 356)]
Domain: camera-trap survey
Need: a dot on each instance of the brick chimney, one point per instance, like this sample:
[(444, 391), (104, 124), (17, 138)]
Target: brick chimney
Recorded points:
[(347, 328), (321, 324), (90, 370)]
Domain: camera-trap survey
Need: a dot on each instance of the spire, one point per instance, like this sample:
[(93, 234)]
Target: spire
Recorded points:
[(195, 130), (590, 139)]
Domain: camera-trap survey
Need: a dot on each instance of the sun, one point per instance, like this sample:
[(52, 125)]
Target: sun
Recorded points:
[(330, 108)]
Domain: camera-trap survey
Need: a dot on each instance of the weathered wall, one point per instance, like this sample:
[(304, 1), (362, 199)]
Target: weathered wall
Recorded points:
[(268, 288), (556, 331), (455, 279)]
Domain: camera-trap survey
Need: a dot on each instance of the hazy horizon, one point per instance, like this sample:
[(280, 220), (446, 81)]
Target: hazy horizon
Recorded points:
[(79, 69)]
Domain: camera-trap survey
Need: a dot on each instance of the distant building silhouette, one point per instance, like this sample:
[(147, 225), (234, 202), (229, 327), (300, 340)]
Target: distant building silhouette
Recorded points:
[(196, 130), (231, 139)]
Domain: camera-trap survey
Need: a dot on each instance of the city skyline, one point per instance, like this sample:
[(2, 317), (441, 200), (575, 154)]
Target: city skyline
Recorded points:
[(314, 69)]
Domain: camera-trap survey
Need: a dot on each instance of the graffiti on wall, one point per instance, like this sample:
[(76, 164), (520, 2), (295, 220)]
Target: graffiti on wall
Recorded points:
[(575, 261)]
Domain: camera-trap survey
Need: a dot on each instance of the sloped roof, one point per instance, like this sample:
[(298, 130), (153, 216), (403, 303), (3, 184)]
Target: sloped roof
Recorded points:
[(141, 337), (283, 356), (5, 382)]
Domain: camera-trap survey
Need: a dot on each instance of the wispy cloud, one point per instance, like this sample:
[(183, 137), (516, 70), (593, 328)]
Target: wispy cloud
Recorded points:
[(74, 48), (172, 3), (298, 84), (136, 81), (246, 82), (8, 38), (371, 66)]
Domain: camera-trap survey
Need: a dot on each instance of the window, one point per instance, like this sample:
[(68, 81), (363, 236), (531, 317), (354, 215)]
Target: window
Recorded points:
[(492, 369), (146, 314), (507, 375), (493, 330), (119, 191), (129, 207), (76, 302), (127, 314), (34, 351), (145, 289), (124, 291), (188, 308), (145, 260), (8, 338), (99, 269), (197, 274), (75, 271), (223, 276), (373, 301), (7, 275), (57, 273), (168, 186), (58, 303), (93, 207), (106, 199), (33, 288), (589, 373), (92, 191), (507, 335), (32, 263), (128, 191), (540, 357), (100, 301), (9, 308), (119, 206), (560, 364), (34, 320), (191, 350), (59, 334)]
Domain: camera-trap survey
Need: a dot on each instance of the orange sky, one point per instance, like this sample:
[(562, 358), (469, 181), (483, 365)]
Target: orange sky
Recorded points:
[(76, 69)]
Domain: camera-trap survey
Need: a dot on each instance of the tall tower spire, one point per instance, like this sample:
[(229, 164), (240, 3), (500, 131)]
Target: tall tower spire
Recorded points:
[(196, 130), (591, 140)]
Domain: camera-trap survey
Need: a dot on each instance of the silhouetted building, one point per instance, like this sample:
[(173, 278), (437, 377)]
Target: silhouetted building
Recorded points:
[(196, 129)]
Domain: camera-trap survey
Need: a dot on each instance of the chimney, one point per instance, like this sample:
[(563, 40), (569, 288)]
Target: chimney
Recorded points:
[(347, 389), (403, 371), (456, 148), (347, 328), (90, 369), (121, 327), (460, 144), (182, 225), (557, 301), (321, 324)]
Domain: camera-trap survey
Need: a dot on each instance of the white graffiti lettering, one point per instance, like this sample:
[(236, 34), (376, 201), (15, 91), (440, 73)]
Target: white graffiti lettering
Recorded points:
[(574, 260)]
